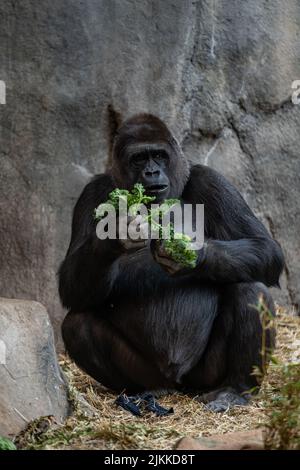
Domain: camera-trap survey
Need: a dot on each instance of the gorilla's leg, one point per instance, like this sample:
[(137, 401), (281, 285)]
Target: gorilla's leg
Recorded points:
[(234, 348), (99, 349)]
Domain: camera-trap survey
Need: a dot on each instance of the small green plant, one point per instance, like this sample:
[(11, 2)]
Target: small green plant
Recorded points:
[(177, 245), (6, 444), (267, 320), (282, 398), (283, 409)]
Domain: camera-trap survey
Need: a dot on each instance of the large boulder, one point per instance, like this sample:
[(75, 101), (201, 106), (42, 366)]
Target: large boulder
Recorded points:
[(239, 440), (31, 383), (220, 74)]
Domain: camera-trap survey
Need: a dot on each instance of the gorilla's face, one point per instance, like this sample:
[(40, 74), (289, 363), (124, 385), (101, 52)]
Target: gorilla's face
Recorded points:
[(146, 152), (148, 164)]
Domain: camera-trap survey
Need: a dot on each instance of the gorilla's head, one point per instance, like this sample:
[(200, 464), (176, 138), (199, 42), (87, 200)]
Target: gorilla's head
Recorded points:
[(146, 152)]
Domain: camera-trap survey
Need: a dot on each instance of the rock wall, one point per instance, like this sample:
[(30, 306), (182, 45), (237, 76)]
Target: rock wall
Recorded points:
[(218, 72)]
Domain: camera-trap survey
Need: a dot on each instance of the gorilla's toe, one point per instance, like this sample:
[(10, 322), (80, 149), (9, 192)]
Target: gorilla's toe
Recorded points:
[(223, 400)]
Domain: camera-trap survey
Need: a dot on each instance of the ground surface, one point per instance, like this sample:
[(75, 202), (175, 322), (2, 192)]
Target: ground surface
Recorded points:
[(97, 423)]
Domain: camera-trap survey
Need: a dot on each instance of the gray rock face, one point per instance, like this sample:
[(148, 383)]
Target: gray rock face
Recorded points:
[(219, 73), (31, 384)]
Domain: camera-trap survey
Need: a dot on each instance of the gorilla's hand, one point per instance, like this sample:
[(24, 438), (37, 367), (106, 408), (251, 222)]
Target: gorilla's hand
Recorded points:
[(164, 259), (135, 229)]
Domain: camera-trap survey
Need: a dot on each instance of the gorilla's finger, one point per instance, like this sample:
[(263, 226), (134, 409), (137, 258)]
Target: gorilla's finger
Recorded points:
[(168, 263), (129, 244)]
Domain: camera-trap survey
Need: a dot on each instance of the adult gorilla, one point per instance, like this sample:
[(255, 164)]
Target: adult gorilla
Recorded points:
[(132, 323)]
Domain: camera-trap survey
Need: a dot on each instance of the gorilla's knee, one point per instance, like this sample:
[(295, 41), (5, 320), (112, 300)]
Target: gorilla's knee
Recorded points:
[(74, 332), (251, 293), (262, 293)]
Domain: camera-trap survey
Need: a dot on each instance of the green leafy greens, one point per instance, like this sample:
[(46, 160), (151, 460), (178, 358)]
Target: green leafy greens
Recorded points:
[(6, 444), (177, 245)]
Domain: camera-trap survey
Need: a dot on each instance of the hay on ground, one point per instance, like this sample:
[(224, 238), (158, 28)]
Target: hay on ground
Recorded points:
[(97, 423)]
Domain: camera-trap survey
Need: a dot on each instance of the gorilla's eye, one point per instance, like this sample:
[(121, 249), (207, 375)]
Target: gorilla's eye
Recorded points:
[(138, 159), (161, 156)]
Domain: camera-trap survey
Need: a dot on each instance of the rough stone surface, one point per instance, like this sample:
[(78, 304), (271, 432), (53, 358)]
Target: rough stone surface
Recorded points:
[(244, 440), (31, 383), (218, 72)]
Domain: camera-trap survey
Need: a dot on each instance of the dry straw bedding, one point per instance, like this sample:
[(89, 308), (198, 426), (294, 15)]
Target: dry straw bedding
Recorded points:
[(97, 423)]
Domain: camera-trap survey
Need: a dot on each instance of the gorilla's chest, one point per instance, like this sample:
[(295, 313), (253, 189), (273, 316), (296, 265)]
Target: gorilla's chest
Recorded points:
[(166, 318)]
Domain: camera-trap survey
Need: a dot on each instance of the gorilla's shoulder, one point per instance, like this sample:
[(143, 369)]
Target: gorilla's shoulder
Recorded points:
[(98, 188), (208, 185), (204, 178), (100, 181), (205, 173)]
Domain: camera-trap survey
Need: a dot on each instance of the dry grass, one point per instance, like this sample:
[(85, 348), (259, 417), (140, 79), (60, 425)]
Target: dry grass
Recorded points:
[(97, 423)]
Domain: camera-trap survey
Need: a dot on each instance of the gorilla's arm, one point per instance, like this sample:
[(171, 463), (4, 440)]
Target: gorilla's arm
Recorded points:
[(85, 275), (238, 248)]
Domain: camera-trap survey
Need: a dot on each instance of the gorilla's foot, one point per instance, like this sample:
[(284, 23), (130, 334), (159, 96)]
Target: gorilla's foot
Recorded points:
[(162, 392), (145, 401), (223, 399)]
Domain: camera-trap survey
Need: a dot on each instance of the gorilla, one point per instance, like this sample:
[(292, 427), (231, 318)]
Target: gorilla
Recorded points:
[(139, 322)]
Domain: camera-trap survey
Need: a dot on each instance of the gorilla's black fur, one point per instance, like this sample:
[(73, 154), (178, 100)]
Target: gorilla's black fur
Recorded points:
[(132, 325)]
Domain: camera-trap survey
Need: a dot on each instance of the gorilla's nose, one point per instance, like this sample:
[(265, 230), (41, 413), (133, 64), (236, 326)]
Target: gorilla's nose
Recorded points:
[(151, 176), (152, 173)]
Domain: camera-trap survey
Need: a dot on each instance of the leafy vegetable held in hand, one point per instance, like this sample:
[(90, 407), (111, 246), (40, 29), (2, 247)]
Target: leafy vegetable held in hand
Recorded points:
[(179, 249), (178, 245)]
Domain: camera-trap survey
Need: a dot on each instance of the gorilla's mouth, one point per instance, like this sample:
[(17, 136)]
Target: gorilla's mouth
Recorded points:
[(156, 188)]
